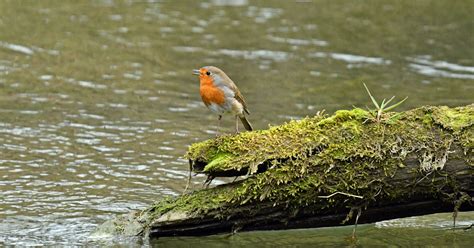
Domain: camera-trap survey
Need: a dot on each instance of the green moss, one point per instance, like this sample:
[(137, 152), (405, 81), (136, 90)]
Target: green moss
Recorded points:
[(352, 126), (343, 115), (467, 139), (305, 153), (454, 118), (218, 161), (427, 119), (247, 150), (321, 155), (202, 151)]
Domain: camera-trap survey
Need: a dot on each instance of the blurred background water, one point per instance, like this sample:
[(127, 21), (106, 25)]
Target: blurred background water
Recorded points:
[(98, 103)]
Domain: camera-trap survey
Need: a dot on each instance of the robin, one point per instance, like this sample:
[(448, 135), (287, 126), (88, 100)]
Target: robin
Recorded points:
[(221, 95)]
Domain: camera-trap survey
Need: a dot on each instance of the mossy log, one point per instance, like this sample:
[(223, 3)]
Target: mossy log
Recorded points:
[(321, 171)]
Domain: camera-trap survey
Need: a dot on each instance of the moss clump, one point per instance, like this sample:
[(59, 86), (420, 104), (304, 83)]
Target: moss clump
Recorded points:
[(218, 160), (248, 150), (203, 151), (333, 153), (343, 115), (201, 200), (455, 119), (309, 159), (460, 120)]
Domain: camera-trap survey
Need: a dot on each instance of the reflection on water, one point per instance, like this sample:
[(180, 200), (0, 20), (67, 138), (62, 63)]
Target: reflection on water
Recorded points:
[(424, 231), (424, 65), (98, 104), (17, 48)]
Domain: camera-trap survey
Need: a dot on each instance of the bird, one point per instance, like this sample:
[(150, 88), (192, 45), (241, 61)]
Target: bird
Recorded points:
[(220, 94)]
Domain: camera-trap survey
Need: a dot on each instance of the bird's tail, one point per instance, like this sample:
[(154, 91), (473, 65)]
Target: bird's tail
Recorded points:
[(246, 123)]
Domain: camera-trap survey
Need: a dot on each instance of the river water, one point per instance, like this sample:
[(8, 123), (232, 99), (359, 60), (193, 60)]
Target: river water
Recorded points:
[(98, 103)]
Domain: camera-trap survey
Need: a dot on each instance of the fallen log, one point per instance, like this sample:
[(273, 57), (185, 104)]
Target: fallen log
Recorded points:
[(323, 171)]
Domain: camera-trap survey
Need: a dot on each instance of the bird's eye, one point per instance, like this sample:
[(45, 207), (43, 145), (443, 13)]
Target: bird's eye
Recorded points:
[(208, 73)]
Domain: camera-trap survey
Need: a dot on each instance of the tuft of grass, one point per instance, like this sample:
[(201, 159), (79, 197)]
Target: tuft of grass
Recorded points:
[(383, 107)]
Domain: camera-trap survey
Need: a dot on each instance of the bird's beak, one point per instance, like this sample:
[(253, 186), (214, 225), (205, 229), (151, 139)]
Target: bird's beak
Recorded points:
[(196, 72)]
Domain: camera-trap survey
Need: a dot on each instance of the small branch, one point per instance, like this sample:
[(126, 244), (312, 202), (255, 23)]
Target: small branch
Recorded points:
[(423, 178), (342, 193)]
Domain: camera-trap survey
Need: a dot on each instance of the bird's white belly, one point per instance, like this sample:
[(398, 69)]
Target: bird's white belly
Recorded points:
[(214, 107), (230, 105)]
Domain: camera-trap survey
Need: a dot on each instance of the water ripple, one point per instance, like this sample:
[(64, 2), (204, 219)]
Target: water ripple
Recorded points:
[(256, 54), (297, 42), (351, 58), (21, 131), (89, 84), (17, 48), (262, 15), (425, 66), (229, 2)]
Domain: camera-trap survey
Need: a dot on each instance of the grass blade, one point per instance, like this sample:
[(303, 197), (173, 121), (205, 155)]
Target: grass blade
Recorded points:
[(371, 111), (394, 118), (389, 100), (382, 104), (396, 104), (371, 97)]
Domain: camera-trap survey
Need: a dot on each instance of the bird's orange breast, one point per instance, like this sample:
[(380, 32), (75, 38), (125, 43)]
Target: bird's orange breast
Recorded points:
[(209, 92), (212, 94)]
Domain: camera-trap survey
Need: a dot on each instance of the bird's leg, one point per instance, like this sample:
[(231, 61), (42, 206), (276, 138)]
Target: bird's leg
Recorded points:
[(218, 124), (236, 124)]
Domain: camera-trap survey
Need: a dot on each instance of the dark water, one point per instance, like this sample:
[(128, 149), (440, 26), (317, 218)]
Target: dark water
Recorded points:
[(98, 104), (424, 231)]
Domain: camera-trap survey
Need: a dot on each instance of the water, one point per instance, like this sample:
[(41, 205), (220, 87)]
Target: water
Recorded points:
[(98, 103), (383, 234)]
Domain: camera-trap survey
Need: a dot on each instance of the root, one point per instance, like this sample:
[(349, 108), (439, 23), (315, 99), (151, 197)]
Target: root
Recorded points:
[(189, 177), (208, 181), (457, 204), (359, 212), (342, 193)]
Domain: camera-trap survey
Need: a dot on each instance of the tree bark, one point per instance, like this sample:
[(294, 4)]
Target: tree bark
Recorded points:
[(324, 171), (266, 216)]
